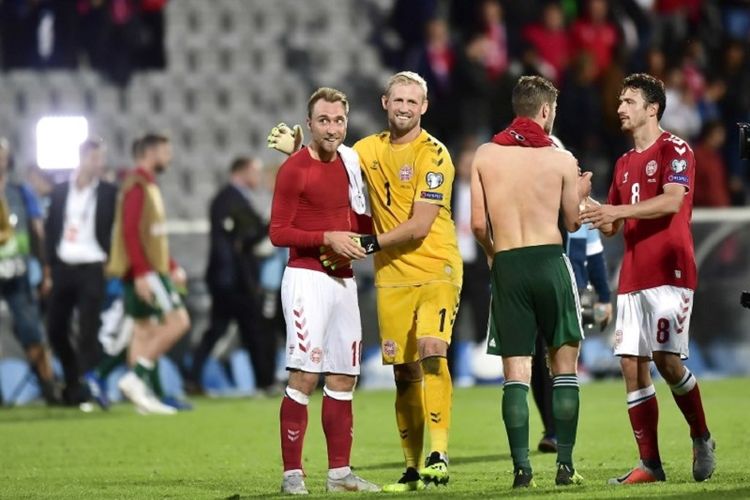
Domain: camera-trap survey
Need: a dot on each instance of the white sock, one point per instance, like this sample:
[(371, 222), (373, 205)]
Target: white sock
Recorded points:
[(339, 472), (293, 472), (298, 396), (146, 363), (686, 383), (641, 396), (338, 395)]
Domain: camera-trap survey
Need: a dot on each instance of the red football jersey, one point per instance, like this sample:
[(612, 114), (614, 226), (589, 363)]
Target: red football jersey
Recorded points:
[(310, 197), (657, 251)]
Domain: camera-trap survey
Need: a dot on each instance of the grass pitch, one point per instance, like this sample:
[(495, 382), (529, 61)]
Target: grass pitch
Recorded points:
[(230, 449)]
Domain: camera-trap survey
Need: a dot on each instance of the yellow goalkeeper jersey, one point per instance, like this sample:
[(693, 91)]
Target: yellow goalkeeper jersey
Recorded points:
[(398, 175)]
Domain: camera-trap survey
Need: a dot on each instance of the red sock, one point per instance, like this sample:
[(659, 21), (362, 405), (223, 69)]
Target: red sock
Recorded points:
[(293, 417), (338, 426), (692, 408), (644, 419)]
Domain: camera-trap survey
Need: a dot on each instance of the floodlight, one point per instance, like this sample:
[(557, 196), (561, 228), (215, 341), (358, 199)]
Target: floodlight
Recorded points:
[(58, 139)]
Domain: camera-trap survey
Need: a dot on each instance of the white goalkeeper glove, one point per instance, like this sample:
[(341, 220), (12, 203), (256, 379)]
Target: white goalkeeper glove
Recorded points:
[(284, 139)]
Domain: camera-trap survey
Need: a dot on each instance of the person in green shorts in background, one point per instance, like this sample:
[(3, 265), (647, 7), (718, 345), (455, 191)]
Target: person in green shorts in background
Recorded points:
[(520, 184), (140, 256)]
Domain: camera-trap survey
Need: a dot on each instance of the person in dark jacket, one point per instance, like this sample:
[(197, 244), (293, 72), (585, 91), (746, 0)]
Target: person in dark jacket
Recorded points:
[(79, 230), (238, 216)]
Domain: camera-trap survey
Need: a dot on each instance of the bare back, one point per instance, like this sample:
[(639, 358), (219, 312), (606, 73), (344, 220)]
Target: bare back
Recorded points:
[(524, 191)]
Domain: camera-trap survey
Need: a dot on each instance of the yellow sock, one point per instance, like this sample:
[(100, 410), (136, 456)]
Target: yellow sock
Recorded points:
[(438, 395), (410, 420)]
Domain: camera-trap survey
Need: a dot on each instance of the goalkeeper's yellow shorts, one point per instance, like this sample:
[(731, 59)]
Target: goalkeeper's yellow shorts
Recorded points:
[(408, 313)]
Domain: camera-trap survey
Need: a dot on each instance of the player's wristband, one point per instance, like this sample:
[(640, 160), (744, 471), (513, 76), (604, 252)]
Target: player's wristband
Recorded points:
[(369, 242)]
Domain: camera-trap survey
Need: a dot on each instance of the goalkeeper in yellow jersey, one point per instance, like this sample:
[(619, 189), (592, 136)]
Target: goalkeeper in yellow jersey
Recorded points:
[(418, 269)]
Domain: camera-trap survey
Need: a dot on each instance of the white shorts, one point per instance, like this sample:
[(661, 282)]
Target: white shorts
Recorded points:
[(655, 319), (323, 328)]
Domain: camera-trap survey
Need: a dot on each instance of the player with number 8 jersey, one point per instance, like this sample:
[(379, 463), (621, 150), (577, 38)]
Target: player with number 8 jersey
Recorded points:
[(652, 198), (659, 251)]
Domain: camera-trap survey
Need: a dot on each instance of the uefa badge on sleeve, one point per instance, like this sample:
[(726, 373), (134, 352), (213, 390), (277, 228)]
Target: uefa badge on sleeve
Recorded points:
[(679, 165)]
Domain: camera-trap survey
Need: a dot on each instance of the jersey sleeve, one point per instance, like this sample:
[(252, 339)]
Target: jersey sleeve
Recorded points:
[(290, 183), (434, 173), (613, 198), (678, 163)]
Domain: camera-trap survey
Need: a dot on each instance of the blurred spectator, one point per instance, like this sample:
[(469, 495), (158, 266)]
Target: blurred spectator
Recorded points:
[(711, 187), (474, 87), (38, 34), (735, 107), (713, 94), (409, 19), (736, 17), (615, 142), (435, 61), (579, 114), (550, 39), (21, 235), (656, 63), (681, 116), (595, 34), (238, 224), (116, 36), (495, 56), (694, 67), (476, 289), (79, 229), (673, 21)]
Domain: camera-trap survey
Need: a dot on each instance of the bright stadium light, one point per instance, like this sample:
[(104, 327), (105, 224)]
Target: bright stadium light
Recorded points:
[(58, 139)]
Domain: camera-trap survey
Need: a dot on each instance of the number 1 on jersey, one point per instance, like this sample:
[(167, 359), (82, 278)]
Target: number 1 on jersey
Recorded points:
[(388, 194), (442, 319)]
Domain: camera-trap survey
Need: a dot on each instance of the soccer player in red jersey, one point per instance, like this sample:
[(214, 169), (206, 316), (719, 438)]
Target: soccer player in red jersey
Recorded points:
[(311, 208), (652, 198)]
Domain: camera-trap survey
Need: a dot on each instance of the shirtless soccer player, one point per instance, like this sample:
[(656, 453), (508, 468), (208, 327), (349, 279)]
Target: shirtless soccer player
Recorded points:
[(520, 184)]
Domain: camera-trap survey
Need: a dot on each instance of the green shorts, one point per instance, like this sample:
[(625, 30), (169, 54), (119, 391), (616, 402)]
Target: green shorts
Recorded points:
[(533, 291), (166, 298)]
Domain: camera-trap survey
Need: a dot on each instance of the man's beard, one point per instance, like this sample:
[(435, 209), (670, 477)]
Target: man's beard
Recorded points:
[(160, 168)]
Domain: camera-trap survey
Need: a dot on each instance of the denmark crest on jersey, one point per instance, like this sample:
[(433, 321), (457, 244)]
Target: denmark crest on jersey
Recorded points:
[(651, 168), (405, 173)]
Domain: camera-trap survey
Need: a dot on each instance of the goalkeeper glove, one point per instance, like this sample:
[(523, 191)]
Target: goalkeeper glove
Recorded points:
[(368, 242), (284, 139), (332, 260)]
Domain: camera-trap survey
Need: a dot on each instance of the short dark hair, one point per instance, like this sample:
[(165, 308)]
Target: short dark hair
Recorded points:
[(148, 141), (530, 93), (652, 89), (90, 144), (327, 94), (239, 163)]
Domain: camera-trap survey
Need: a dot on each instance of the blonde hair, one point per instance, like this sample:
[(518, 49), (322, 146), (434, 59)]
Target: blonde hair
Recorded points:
[(406, 78), (328, 94)]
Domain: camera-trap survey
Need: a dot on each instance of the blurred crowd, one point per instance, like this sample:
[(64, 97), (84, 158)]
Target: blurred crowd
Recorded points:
[(472, 51), (114, 37)]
